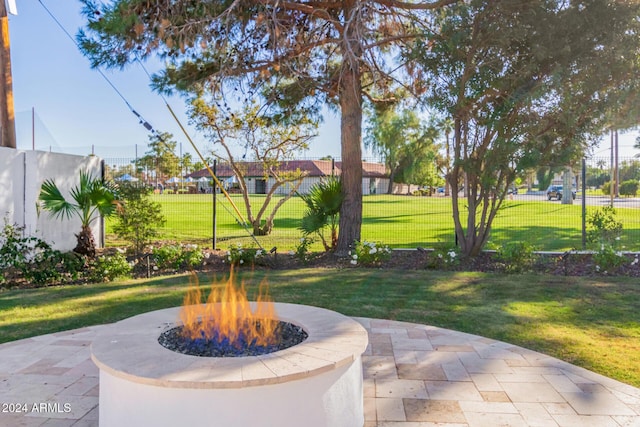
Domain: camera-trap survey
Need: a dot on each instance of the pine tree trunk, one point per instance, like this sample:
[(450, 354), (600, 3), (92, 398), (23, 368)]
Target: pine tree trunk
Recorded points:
[(351, 131), (350, 98)]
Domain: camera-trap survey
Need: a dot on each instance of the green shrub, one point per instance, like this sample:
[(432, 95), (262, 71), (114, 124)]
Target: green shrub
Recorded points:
[(517, 257), (50, 267), (629, 188), (109, 267), (34, 260), (606, 188), (237, 255), (138, 217), (444, 257), (603, 227), (302, 250), (603, 232), (192, 256), (178, 256), (369, 253), (15, 250), (607, 259), (166, 256)]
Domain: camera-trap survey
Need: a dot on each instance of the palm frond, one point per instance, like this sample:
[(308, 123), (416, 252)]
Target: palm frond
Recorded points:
[(54, 202), (323, 205), (90, 195)]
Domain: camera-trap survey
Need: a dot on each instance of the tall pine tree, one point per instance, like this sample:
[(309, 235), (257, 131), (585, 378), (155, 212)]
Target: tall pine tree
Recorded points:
[(297, 55)]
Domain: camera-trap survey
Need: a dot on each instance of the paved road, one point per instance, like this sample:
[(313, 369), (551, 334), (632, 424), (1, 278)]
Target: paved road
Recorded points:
[(620, 202)]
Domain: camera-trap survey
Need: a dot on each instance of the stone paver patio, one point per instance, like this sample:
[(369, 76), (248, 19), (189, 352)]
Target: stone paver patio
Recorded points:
[(414, 376)]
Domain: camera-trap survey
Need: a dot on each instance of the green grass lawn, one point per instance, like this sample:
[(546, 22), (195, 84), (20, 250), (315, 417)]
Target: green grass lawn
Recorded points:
[(590, 322), (397, 220)]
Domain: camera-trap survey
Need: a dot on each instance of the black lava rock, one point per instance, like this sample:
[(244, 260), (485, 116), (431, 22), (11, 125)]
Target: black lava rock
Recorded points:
[(288, 335)]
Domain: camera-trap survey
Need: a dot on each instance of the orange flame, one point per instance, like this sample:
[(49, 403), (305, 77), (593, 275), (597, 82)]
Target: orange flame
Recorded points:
[(229, 315)]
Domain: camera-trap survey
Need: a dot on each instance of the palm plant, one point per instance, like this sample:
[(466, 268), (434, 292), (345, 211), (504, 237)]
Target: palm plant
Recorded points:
[(90, 196), (323, 201)]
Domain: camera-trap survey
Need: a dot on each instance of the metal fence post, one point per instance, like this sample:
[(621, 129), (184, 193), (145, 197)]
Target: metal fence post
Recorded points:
[(103, 176), (215, 190), (584, 204)]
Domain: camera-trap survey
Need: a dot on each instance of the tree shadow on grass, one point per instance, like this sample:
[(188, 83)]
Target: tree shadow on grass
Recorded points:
[(534, 311)]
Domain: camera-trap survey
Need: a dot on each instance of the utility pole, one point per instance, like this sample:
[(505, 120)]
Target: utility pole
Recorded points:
[(7, 113)]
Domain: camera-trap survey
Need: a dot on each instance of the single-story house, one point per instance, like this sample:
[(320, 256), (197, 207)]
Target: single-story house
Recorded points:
[(375, 179)]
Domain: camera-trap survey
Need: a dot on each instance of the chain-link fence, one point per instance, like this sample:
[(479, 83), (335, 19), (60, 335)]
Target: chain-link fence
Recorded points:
[(409, 217)]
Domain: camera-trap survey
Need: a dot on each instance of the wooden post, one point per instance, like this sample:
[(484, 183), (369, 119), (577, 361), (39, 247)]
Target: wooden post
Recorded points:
[(7, 114)]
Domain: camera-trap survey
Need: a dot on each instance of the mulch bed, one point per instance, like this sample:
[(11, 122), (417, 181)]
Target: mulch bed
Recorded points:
[(565, 264), (560, 264)]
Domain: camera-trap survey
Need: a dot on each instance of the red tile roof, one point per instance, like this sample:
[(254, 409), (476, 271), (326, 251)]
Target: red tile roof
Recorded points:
[(311, 167)]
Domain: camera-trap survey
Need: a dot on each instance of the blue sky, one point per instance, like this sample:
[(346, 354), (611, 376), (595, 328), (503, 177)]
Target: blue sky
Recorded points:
[(75, 108)]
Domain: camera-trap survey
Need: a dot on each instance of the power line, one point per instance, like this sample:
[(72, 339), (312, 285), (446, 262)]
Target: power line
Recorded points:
[(143, 122), (150, 128)]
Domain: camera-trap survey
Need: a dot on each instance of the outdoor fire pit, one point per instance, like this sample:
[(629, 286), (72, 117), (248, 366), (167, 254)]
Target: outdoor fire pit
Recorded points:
[(316, 382)]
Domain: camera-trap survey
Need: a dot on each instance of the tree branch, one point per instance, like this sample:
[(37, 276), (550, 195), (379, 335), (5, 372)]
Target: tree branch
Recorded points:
[(416, 6)]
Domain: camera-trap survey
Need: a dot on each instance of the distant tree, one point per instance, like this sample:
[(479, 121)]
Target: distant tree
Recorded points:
[(309, 53), (198, 165), (629, 188), (186, 163), (270, 142), (405, 143), (518, 100), (629, 170), (445, 125), (422, 161), (161, 156), (596, 177), (545, 176)]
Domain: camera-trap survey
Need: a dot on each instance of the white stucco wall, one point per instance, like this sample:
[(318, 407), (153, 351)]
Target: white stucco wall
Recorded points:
[(22, 174), (404, 188), (11, 186), (307, 183)]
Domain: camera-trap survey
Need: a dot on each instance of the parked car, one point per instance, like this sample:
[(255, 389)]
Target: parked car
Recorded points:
[(512, 190), (555, 192)]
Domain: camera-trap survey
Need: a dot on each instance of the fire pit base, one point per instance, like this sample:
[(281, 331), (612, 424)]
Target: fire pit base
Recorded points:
[(330, 399), (317, 383)]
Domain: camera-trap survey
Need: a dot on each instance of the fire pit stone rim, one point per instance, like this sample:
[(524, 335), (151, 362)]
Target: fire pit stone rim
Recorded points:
[(124, 351)]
